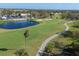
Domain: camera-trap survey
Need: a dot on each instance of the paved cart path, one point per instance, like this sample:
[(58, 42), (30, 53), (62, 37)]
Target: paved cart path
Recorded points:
[(44, 44)]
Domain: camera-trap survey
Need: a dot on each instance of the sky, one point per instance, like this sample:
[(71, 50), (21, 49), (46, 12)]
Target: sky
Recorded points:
[(61, 6)]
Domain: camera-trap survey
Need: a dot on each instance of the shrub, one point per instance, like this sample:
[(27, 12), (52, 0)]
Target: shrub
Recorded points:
[(21, 52)]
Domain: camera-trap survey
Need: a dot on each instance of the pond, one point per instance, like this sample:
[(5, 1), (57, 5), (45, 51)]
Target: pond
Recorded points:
[(16, 25)]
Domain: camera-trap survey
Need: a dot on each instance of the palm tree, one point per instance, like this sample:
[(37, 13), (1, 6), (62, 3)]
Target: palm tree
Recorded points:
[(26, 34)]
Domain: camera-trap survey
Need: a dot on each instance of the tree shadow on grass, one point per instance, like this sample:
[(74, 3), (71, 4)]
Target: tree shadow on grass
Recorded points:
[(70, 50), (75, 26), (67, 34), (5, 49)]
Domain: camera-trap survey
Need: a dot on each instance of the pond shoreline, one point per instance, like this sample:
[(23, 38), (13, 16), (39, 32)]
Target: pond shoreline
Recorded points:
[(16, 25)]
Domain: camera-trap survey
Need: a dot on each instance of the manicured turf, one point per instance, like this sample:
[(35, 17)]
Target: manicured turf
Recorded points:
[(14, 39)]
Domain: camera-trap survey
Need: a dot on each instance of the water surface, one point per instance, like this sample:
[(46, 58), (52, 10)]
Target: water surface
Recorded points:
[(15, 25)]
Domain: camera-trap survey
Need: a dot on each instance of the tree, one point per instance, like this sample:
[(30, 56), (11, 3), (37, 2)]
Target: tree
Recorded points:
[(26, 34), (68, 34), (65, 15), (52, 49), (73, 48)]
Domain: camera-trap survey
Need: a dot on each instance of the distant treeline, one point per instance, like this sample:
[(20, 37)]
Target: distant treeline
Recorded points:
[(41, 13)]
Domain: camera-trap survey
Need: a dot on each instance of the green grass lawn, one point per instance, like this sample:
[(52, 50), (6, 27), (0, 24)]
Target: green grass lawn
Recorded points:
[(14, 39)]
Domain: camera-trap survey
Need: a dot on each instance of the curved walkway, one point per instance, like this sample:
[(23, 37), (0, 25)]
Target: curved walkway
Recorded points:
[(44, 44)]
